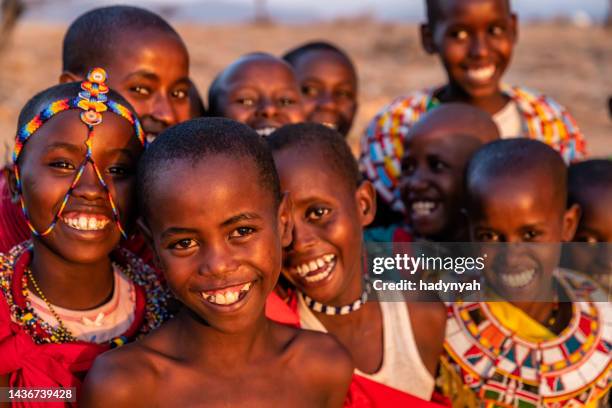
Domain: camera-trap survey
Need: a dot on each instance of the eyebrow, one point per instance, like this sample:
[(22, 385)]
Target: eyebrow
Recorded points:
[(177, 230), (240, 217), (126, 152), (144, 73)]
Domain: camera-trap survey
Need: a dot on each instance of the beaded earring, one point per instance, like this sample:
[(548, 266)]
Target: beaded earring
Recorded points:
[(92, 100)]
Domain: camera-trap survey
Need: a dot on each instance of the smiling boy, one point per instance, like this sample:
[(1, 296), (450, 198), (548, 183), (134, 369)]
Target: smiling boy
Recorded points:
[(221, 252), (474, 40)]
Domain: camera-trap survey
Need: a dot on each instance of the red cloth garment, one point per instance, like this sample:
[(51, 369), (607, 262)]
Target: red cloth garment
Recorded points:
[(365, 393), (31, 360), (13, 227)]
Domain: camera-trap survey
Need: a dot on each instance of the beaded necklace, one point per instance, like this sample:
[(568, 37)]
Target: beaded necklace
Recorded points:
[(151, 297)]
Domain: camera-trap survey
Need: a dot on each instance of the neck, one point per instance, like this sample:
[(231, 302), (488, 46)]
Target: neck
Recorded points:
[(198, 342), (490, 103), (538, 311), (71, 285)]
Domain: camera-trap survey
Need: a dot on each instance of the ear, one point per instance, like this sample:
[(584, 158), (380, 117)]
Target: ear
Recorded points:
[(68, 76), (11, 181), (285, 220), (570, 222), (366, 202), (514, 27), (427, 40)]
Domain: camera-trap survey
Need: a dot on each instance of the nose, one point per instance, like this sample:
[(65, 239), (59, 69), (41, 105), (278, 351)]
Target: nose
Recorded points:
[(416, 181), (304, 236), (162, 110), (218, 260), (266, 108), (326, 101), (479, 47), (89, 186)]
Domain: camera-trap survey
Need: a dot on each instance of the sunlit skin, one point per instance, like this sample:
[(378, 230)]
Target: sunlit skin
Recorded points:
[(260, 91), (436, 151), (71, 265), (595, 227), (230, 233), (150, 69), (474, 40), (329, 214), (328, 83), (522, 210)]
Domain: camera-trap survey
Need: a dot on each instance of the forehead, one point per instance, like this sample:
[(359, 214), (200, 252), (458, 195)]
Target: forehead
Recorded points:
[(451, 9), (255, 71), (318, 60), (439, 137), (67, 128), (307, 172), (156, 51), (233, 186)]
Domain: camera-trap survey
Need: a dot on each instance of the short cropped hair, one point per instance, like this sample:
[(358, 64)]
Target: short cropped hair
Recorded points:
[(294, 54), (586, 175), (329, 143), (518, 158), (92, 37), (433, 10), (198, 139)]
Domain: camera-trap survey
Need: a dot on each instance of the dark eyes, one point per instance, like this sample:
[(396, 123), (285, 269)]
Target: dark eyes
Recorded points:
[(242, 232), (530, 235), (62, 164), (496, 30), (119, 171), (587, 238), (179, 94), (487, 236), (434, 164), (309, 90), (285, 101), (317, 213), (459, 34), (141, 90), (246, 101), (183, 244)]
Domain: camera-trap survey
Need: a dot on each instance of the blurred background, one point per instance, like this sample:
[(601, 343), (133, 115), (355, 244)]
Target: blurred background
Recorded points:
[(564, 48)]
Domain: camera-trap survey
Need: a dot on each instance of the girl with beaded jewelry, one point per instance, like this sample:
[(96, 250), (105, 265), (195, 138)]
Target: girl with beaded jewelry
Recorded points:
[(395, 346), (68, 294)]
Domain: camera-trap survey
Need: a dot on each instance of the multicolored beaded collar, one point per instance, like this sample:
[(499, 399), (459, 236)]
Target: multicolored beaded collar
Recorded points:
[(151, 296), (92, 100)]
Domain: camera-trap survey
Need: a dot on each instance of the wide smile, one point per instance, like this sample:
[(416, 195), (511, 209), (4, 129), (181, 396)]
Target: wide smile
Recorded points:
[(423, 208), (519, 279), (229, 297), (85, 222), (481, 75), (265, 131), (315, 270)]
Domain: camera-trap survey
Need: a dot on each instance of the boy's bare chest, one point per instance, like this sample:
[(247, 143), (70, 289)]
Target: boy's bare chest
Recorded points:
[(261, 388)]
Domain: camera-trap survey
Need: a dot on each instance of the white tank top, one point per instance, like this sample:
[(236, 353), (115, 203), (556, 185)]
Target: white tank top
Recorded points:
[(402, 367)]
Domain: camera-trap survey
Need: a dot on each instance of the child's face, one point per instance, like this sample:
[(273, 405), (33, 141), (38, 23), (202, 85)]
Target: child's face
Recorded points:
[(329, 89), (220, 247), (262, 94), (595, 227), (431, 182), (516, 211), (324, 260), (152, 72), (86, 231), (474, 39)]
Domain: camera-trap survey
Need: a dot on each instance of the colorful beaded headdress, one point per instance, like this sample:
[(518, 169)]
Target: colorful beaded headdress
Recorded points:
[(92, 100)]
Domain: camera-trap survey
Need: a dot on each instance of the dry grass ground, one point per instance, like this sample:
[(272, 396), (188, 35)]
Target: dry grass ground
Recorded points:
[(568, 63)]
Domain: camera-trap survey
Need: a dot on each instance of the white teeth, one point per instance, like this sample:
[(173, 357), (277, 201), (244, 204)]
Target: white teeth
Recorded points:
[(330, 125), (265, 131), (304, 269), (84, 223), (481, 74), (517, 280), (228, 297), (423, 207)]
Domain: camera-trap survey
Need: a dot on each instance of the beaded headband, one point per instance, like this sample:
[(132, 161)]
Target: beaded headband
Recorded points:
[(92, 100)]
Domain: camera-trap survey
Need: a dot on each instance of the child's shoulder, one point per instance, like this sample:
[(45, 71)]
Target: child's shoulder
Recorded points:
[(403, 107), (318, 357), (120, 377)]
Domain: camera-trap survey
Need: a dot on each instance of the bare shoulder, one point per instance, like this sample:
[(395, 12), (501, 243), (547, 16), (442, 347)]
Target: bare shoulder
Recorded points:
[(119, 378), (320, 359)]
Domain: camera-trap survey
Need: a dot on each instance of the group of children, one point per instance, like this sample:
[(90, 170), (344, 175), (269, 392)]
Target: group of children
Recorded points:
[(223, 240)]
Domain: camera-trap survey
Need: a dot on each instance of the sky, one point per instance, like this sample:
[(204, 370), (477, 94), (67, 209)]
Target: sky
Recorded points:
[(223, 11)]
